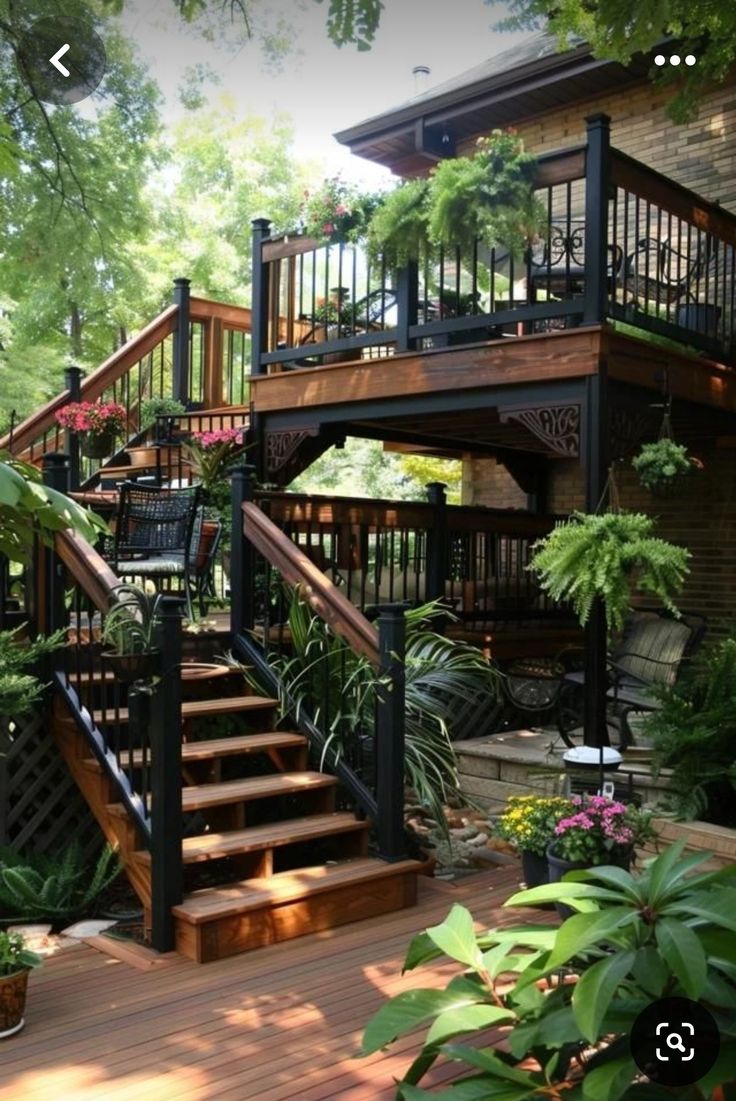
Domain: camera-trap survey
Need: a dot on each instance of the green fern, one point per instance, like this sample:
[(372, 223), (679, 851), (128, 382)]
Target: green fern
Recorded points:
[(694, 734), (590, 557), (35, 887)]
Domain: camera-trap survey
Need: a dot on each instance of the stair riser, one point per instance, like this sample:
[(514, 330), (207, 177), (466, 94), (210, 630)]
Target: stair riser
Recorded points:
[(228, 936)]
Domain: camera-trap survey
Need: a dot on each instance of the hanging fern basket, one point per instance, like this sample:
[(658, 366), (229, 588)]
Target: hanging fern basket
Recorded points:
[(663, 467)]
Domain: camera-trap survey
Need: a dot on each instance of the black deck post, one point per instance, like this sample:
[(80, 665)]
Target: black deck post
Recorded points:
[(437, 542), (407, 305), (261, 228), (390, 718), (56, 475), (241, 554), (595, 454), (166, 780), (73, 382), (597, 186), (181, 378)]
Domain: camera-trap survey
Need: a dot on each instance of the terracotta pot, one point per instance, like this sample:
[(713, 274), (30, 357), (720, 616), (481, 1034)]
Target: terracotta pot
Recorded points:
[(12, 1002), (207, 534), (97, 445)]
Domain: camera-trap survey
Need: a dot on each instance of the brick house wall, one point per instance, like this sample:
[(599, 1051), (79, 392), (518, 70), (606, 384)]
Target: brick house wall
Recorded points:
[(702, 517), (700, 154)]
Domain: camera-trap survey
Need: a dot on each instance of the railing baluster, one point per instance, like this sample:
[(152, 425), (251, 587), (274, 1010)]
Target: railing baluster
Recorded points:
[(390, 733)]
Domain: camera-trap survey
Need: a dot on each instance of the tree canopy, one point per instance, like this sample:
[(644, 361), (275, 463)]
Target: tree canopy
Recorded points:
[(618, 29)]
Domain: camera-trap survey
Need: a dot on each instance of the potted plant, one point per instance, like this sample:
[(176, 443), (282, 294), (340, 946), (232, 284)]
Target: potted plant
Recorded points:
[(16, 962), (337, 212), (97, 424), (661, 466), (154, 408), (489, 197), (528, 822), (129, 629), (541, 1012), (607, 556)]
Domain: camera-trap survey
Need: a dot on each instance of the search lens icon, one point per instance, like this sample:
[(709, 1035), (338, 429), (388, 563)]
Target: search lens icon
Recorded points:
[(678, 1044)]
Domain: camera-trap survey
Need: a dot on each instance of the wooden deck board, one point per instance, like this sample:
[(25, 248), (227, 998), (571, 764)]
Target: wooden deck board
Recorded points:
[(268, 1026)]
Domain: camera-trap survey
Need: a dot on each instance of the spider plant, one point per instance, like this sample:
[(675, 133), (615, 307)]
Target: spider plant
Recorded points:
[(131, 622), (338, 689)]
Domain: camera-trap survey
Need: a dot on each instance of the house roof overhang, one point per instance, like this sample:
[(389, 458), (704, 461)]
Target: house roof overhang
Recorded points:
[(519, 84)]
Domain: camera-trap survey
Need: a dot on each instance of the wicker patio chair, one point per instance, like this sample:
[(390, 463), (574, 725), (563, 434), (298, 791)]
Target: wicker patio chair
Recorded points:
[(157, 535)]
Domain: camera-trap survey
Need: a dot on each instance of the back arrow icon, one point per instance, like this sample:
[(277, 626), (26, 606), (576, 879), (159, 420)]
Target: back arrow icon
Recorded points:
[(55, 60)]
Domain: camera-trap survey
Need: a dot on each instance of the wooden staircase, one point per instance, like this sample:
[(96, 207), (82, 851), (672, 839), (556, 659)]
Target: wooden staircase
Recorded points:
[(267, 855)]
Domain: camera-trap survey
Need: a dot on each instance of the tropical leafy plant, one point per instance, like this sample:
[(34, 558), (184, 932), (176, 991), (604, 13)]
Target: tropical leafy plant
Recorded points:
[(662, 463), (20, 690), (607, 556), (14, 956), (59, 889), (564, 1000), (29, 509), (338, 689), (528, 821), (132, 619), (694, 735)]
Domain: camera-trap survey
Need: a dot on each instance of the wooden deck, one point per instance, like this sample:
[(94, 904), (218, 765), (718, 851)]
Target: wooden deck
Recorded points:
[(277, 1024)]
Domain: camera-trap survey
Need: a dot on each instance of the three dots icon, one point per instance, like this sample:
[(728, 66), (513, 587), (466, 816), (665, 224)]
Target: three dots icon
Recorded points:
[(675, 59)]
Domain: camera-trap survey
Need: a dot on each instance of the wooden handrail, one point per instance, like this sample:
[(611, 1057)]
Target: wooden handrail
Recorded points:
[(114, 367), (325, 598), (88, 568), (297, 508), (234, 317)]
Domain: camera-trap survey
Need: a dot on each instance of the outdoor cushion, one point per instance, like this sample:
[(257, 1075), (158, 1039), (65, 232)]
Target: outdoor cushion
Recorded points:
[(152, 566), (652, 649)]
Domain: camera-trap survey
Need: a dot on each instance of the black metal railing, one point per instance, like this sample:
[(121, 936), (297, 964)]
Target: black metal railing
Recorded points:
[(340, 678), (378, 552), (620, 241), (132, 730)]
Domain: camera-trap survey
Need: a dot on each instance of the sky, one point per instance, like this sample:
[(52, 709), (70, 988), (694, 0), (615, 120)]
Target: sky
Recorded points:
[(323, 88)]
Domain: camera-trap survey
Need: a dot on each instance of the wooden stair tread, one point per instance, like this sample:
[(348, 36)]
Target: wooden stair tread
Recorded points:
[(213, 903), (235, 746), (212, 846), (190, 671), (192, 709), (201, 796)]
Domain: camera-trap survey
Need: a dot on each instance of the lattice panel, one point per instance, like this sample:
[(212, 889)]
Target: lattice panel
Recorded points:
[(41, 807)]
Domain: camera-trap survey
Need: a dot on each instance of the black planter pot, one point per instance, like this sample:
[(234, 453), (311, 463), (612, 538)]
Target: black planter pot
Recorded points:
[(535, 869), (700, 317), (97, 445), (132, 667), (558, 867)]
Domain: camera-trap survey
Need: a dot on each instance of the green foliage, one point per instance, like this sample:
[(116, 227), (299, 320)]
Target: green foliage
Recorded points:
[(607, 556), (131, 622), (363, 469), (14, 956), (618, 31), (59, 889), (159, 407), (661, 463), (399, 229), (529, 821), (489, 196), (20, 690), (694, 734), (337, 211), (338, 689), (29, 509), (566, 998)]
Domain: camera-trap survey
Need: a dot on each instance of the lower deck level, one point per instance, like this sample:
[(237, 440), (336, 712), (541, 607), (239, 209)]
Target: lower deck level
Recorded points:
[(274, 1025)]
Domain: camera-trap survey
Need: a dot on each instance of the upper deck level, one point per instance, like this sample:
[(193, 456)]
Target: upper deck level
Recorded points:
[(623, 247)]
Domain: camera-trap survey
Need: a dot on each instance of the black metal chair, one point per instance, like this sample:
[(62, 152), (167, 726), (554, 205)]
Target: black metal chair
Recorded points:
[(157, 535), (651, 652), (659, 272), (557, 262)]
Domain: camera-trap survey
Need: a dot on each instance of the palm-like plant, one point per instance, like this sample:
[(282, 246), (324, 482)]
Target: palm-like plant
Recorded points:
[(338, 689)]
